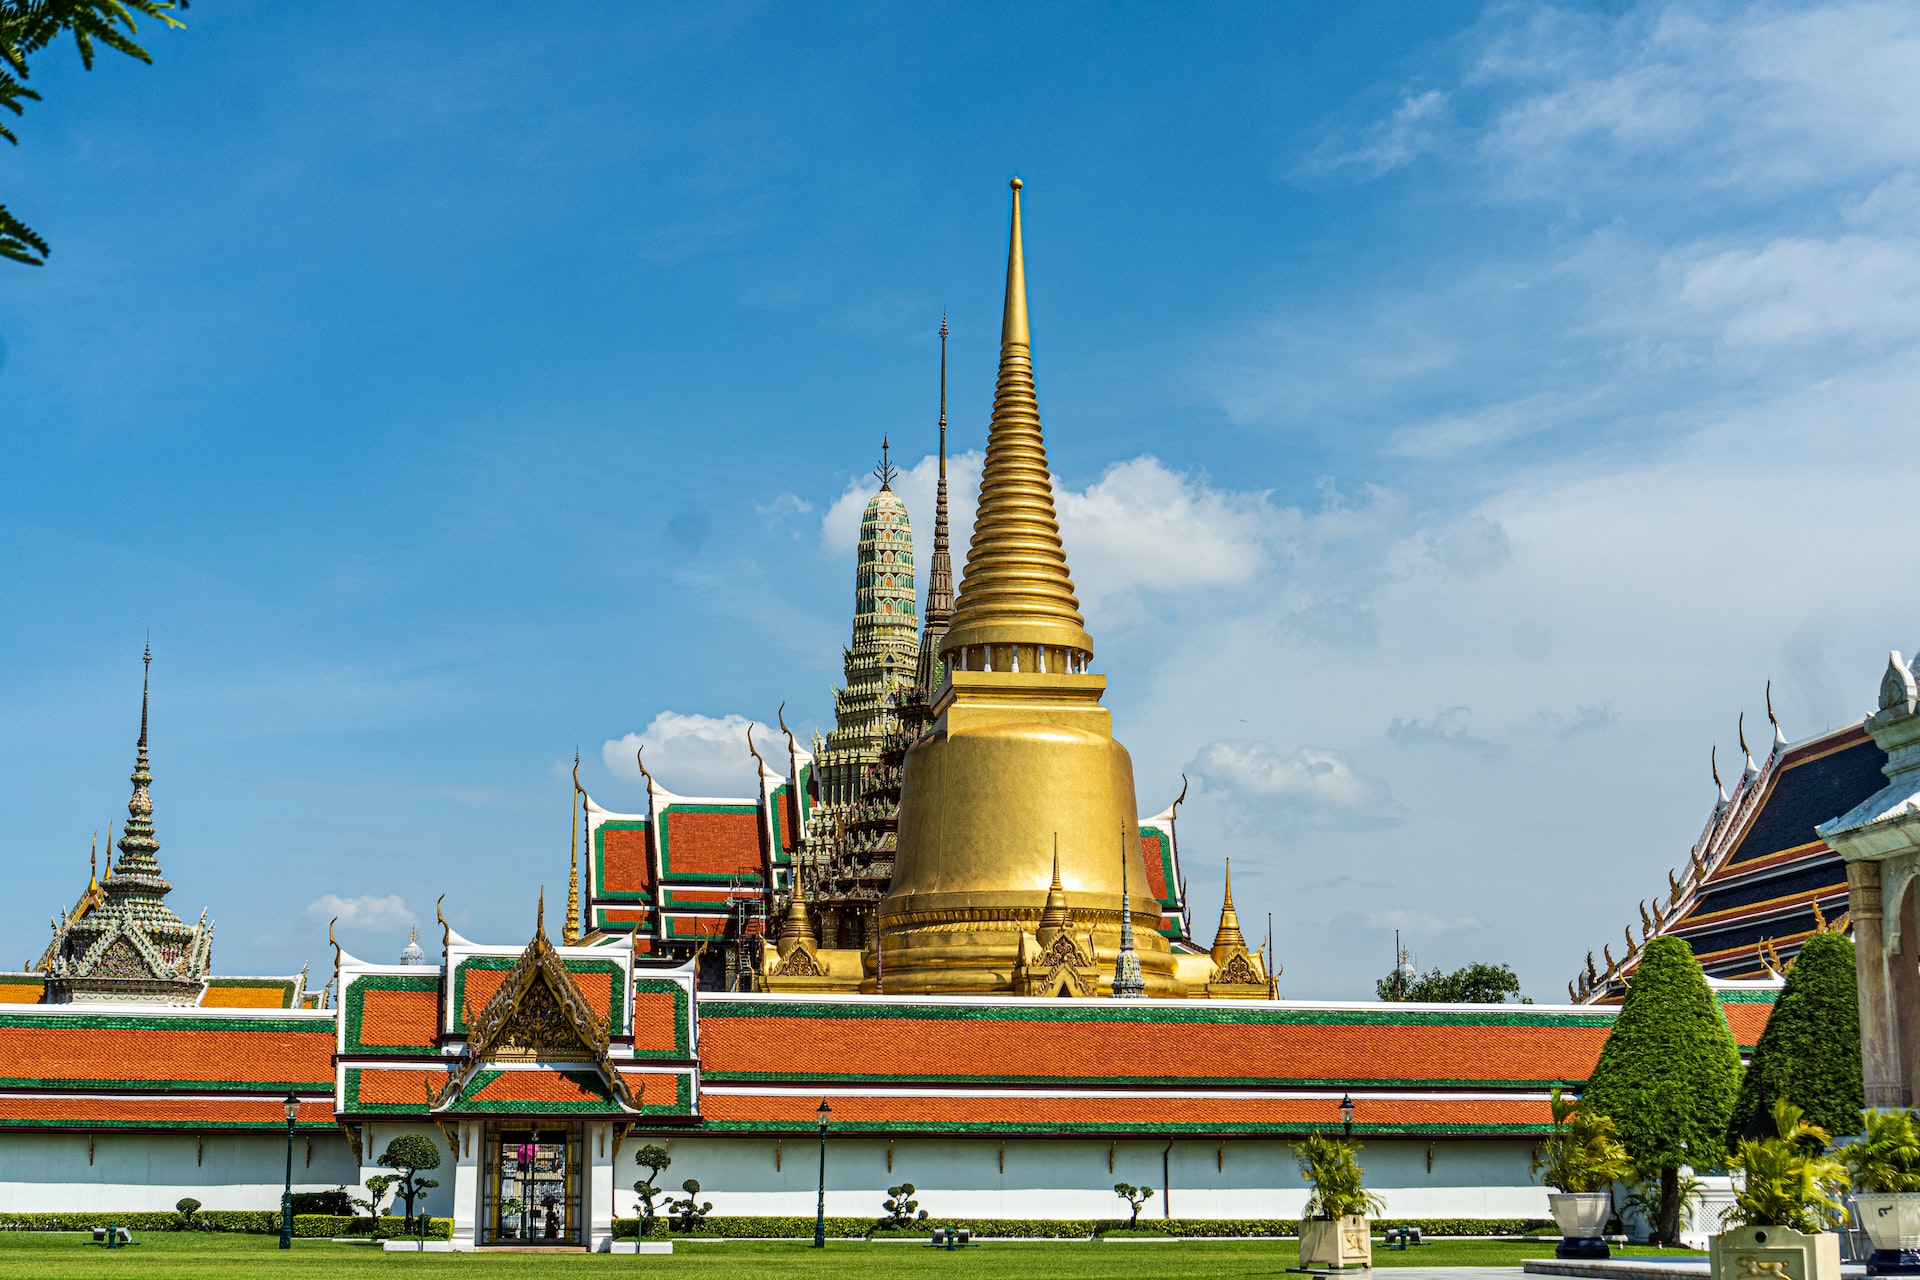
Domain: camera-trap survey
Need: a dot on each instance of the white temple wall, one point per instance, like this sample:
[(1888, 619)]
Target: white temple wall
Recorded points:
[(439, 1201), (1069, 1177), (135, 1172)]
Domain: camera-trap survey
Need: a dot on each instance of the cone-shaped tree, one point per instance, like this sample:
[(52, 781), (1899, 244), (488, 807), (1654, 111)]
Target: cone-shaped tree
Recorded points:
[(1668, 1072), (1810, 1052)]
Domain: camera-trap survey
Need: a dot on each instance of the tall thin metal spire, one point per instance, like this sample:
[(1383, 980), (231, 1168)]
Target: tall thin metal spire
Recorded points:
[(939, 612), (886, 472), (1128, 982), (570, 931)]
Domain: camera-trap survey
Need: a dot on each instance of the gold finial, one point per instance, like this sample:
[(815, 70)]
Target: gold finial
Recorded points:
[(446, 930), (335, 943), (1057, 917), (1743, 736), (886, 472), (93, 863), (640, 758), (1713, 761), (570, 931), (1017, 588)]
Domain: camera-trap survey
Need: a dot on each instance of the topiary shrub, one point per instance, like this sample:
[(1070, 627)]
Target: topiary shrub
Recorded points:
[(688, 1214), (411, 1154), (335, 1203), (188, 1206), (900, 1209), (1668, 1073), (1810, 1052), (1135, 1198)]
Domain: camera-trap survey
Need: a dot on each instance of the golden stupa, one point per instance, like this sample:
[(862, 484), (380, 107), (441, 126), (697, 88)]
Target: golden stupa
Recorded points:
[(1021, 761)]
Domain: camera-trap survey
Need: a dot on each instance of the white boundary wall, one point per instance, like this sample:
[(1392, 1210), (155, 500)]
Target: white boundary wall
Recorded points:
[(1041, 1178)]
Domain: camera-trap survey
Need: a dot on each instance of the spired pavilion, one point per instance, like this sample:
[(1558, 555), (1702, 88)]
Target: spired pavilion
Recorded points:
[(946, 921)]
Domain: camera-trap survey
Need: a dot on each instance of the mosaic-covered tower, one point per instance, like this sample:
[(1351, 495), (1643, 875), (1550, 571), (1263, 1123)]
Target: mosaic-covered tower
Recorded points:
[(1021, 759), (131, 946), (850, 869)]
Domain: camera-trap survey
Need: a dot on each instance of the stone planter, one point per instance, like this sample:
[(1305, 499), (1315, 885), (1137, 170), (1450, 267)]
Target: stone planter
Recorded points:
[(1336, 1242), (1774, 1253), (1892, 1222), (1582, 1216)]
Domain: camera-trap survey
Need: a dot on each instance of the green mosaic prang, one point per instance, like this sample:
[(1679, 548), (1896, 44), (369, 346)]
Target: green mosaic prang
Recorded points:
[(597, 860), (682, 1020), (662, 842), (616, 993), (353, 1011)]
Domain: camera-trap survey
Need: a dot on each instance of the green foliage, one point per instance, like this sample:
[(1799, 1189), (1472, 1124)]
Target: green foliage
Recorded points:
[(1583, 1153), (377, 1187), (902, 1210), (335, 1202), (1668, 1072), (187, 1207), (1809, 1053), (654, 1159), (1791, 1181), (411, 1153), (1470, 984), (259, 1222), (1334, 1177), (1886, 1158), (1643, 1197), (1135, 1197), (689, 1213), (801, 1228), (29, 26)]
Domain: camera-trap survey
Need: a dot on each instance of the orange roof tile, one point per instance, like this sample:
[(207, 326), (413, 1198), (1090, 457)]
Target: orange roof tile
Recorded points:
[(1049, 1113), (16, 1111), (1028, 1044), (140, 1052), (248, 997), (626, 866), (399, 1018), (23, 992), (712, 844)]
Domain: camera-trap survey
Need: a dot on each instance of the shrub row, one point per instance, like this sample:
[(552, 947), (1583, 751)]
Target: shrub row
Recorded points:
[(786, 1228), (243, 1221)]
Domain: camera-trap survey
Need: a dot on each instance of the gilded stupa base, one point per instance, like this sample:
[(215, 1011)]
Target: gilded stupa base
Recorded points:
[(987, 956)]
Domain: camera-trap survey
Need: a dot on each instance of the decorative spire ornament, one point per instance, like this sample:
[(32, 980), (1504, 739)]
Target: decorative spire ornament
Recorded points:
[(930, 670), (570, 932), (1128, 982)]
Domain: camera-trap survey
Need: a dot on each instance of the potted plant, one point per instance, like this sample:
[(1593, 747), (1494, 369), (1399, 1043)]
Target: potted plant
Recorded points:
[(1334, 1231), (1579, 1161), (1885, 1163), (1789, 1197)]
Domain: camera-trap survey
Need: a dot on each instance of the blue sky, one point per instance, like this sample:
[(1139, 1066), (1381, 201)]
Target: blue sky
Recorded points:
[(1459, 413)]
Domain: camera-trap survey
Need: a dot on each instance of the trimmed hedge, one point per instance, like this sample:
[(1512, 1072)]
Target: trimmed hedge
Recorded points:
[(265, 1222), (799, 1228), (1809, 1053)]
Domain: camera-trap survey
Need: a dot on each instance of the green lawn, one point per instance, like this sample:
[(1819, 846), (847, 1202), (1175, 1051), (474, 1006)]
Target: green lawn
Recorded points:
[(50, 1255)]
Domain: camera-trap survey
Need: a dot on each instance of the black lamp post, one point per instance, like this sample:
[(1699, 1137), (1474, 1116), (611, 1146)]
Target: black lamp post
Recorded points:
[(292, 1108), (820, 1206), (1346, 1115)]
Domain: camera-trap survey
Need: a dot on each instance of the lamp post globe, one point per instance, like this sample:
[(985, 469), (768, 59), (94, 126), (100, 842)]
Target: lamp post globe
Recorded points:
[(820, 1205), (1346, 1115), (291, 1105)]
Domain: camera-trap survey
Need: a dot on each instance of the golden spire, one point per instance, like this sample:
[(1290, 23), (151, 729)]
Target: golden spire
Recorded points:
[(570, 932), (795, 926), (1016, 589), (1228, 937), (1057, 917)]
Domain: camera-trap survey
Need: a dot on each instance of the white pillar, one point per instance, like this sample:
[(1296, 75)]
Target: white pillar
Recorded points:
[(466, 1185), (600, 1189)]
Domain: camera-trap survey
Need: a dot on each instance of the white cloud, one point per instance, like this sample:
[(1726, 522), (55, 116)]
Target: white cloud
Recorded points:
[(697, 755), (1801, 289), (370, 911), (1408, 133), (1308, 779)]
